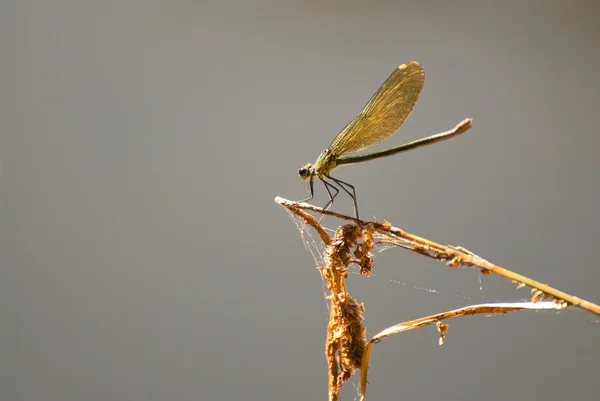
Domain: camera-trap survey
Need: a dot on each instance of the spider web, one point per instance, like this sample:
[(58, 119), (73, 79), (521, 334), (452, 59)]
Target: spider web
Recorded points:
[(313, 244)]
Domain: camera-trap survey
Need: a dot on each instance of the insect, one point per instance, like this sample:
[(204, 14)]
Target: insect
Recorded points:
[(385, 112)]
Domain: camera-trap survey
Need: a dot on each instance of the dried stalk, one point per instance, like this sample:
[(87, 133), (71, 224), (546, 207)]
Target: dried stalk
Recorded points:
[(346, 348), (454, 256)]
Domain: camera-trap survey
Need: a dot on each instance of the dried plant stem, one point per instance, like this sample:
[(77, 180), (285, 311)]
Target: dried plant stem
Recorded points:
[(346, 347), (485, 309), (454, 256)]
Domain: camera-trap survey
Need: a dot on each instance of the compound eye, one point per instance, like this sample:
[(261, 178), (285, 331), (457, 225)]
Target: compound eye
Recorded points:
[(304, 172)]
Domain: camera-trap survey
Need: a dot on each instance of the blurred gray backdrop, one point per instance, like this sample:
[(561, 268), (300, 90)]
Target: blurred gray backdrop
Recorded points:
[(141, 146)]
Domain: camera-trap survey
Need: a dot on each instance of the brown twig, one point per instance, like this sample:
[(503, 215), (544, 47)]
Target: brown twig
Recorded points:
[(485, 309), (346, 348), (454, 256)]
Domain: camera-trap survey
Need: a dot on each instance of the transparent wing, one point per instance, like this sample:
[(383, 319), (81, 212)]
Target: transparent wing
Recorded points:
[(385, 112)]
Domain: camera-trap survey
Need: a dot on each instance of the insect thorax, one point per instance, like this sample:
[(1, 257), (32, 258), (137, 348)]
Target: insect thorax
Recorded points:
[(325, 163)]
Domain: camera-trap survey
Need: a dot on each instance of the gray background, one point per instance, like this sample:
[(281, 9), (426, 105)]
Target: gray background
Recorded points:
[(142, 144)]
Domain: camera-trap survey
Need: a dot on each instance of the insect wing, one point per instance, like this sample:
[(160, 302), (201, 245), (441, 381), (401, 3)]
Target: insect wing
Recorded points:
[(385, 112)]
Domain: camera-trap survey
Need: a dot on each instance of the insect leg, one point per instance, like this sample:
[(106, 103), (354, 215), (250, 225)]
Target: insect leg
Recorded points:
[(312, 189), (329, 185), (352, 194)]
